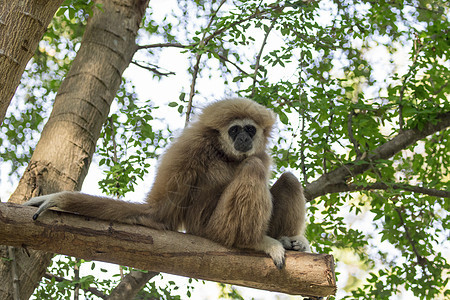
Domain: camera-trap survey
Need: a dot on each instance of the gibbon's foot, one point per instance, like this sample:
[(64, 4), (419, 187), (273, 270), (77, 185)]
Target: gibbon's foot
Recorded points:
[(296, 243), (43, 203), (274, 248), (278, 257), (279, 260)]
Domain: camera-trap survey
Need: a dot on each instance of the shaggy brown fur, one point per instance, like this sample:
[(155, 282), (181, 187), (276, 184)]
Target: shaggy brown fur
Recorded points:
[(210, 189)]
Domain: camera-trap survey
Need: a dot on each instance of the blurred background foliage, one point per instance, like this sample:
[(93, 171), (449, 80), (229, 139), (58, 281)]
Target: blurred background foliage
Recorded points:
[(344, 78)]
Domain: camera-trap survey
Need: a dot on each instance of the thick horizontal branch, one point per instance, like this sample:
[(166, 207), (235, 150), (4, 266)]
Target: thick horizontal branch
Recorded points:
[(336, 180), (164, 251)]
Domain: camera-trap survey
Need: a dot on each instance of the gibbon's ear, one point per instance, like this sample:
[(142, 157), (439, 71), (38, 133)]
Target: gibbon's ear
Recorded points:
[(221, 113)]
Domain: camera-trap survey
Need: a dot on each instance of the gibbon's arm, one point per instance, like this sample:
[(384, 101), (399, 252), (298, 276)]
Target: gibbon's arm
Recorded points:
[(243, 212), (94, 206)]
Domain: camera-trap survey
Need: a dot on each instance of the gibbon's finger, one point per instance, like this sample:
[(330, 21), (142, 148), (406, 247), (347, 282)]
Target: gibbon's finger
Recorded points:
[(42, 202), (35, 201)]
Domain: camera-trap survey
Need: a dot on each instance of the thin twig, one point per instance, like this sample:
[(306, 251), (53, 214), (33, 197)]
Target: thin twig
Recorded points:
[(91, 290), (422, 261), (192, 91), (203, 42), (399, 186), (403, 88), (438, 90), (351, 136), (330, 130), (113, 139), (302, 114), (166, 45), (115, 157), (153, 69), (225, 59), (258, 57), (257, 13)]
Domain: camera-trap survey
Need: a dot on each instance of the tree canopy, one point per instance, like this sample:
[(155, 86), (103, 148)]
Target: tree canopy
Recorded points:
[(361, 89)]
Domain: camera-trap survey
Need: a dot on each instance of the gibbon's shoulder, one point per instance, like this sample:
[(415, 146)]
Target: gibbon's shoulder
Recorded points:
[(219, 114)]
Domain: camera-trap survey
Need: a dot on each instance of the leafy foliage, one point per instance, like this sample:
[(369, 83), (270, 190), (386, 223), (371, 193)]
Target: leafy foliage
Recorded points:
[(128, 134), (344, 77)]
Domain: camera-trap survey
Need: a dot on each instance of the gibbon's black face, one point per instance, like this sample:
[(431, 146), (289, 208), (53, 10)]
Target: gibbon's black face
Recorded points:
[(242, 137)]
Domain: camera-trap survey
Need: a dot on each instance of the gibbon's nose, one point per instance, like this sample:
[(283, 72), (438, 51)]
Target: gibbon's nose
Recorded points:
[(243, 142)]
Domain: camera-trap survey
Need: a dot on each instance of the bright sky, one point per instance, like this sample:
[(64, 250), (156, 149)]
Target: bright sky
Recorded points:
[(168, 90)]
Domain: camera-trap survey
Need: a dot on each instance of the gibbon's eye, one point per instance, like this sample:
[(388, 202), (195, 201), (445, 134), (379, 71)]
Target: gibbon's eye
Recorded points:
[(250, 129), (234, 131)]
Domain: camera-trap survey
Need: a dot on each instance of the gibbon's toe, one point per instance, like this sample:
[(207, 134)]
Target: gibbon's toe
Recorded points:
[(296, 243), (274, 249), (300, 246), (278, 256), (35, 201), (286, 242), (300, 243), (280, 264)]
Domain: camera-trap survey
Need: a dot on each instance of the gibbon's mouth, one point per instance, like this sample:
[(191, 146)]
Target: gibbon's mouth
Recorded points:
[(242, 147)]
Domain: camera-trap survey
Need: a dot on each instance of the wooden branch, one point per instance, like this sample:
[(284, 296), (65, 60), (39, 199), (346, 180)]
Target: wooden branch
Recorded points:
[(164, 251), (336, 180), (130, 285)]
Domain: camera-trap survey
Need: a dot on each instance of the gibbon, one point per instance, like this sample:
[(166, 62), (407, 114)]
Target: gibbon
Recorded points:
[(213, 182)]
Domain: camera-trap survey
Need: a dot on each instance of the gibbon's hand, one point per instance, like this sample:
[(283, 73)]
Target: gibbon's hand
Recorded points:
[(43, 203)]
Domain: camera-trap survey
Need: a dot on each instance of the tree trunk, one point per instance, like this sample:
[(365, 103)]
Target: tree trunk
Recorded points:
[(166, 251), (22, 25), (64, 152)]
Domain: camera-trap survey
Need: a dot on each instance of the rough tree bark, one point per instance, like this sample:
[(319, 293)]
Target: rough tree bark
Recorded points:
[(22, 25), (166, 251), (64, 152)]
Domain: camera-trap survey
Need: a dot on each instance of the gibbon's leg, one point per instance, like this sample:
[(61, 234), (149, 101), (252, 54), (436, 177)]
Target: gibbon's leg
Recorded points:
[(243, 212), (287, 223), (97, 207)]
